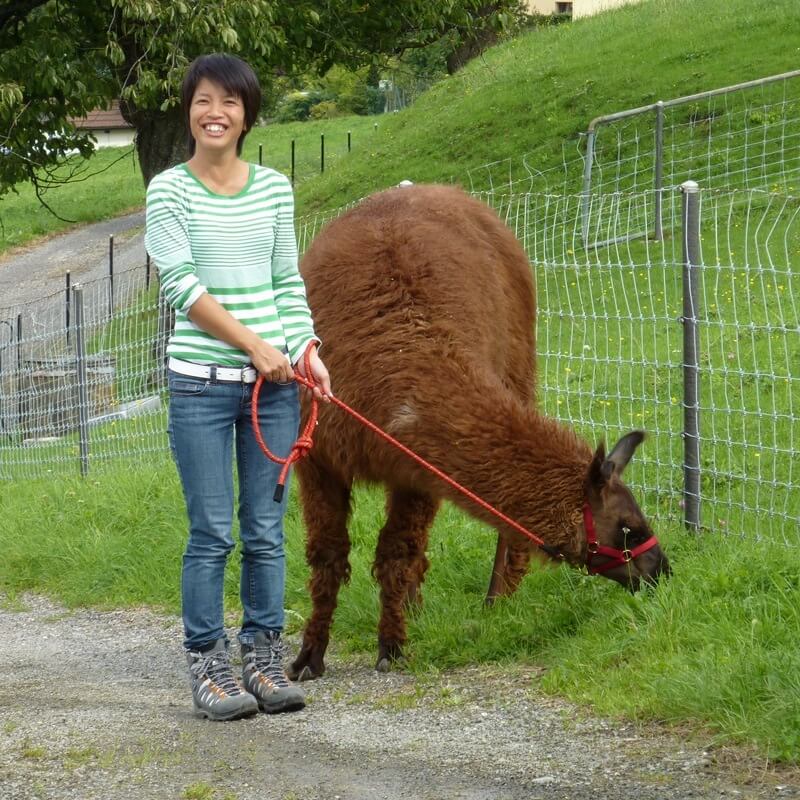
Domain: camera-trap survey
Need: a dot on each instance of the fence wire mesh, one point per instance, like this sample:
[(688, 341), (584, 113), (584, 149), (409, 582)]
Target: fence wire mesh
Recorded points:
[(610, 338), (744, 136), (610, 352)]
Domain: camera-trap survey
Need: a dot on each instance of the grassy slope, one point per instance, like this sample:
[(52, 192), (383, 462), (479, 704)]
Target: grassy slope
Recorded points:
[(717, 644), (115, 186), (536, 93)]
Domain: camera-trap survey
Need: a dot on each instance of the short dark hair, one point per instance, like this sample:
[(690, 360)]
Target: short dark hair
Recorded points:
[(231, 73)]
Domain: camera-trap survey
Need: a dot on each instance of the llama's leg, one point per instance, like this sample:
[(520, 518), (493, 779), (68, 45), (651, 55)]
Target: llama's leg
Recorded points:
[(400, 565), (517, 561), (326, 505), (510, 566), (497, 581)]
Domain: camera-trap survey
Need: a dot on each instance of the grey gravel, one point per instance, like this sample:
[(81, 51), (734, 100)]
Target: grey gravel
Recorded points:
[(95, 705)]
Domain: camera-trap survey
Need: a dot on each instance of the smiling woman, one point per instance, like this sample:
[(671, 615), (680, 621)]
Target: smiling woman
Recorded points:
[(218, 92), (221, 232)]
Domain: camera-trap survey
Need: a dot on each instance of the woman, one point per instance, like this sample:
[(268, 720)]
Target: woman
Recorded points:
[(221, 232)]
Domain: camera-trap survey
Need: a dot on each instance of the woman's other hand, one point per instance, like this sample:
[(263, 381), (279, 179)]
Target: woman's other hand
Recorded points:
[(319, 373), (270, 362)]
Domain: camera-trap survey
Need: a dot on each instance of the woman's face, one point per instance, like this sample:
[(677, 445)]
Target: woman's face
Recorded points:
[(216, 118)]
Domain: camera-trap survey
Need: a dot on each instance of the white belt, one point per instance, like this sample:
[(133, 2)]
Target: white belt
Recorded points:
[(213, 373)]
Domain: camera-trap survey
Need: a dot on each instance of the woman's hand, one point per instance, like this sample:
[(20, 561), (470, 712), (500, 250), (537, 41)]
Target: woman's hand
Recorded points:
[(319, 373), (270, 362)]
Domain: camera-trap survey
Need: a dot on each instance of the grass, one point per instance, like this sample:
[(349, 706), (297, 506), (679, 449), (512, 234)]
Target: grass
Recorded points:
[(115, 188), (714, 645)]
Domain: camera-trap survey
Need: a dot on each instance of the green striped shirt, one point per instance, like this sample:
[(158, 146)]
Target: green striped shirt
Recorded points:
[(241, 249)]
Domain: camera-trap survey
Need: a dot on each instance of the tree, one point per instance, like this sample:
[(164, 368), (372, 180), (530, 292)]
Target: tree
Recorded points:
[(59, 59)]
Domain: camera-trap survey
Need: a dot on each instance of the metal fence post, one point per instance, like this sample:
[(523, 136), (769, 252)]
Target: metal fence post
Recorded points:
[(658, 177), (587, 187), (111, 275), (19, 360), (691, 348), (83, 393), (322, 152), (10, 341), (67, 301), (292, 162)]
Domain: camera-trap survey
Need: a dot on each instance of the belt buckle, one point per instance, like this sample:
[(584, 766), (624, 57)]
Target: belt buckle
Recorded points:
[(249, 374)]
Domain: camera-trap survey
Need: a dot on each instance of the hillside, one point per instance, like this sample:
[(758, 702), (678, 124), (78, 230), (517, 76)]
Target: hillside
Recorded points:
[(535, 94)]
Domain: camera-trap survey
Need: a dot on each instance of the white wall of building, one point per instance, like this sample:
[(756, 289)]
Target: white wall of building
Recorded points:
[(580, 8), (113, 138)]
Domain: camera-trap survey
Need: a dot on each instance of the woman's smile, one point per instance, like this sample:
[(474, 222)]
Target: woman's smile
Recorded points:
[(216, 117)]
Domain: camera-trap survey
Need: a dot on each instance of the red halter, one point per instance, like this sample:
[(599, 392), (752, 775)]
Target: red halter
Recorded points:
[(617, 558)]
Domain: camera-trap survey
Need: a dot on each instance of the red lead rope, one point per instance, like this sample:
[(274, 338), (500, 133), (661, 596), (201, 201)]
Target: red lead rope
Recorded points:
[(305, 442)]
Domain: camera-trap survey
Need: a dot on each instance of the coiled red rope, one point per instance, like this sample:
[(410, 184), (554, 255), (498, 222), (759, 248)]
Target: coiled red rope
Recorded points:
[(304, 442)]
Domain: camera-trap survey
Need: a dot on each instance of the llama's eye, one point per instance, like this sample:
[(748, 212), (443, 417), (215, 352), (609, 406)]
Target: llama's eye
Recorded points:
[(631, 536)]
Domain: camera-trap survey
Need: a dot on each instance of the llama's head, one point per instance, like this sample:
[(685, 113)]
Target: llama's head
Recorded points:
[(624, 547)]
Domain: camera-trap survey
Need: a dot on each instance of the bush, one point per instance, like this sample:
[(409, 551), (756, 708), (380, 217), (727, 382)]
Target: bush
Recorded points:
[(296, 106), (327, 109)]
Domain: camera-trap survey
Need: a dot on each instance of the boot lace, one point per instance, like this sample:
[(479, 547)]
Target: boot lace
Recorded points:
[(268, 660), (217, 668)]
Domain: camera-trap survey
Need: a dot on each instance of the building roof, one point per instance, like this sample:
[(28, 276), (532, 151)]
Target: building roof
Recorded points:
[(101, 119)]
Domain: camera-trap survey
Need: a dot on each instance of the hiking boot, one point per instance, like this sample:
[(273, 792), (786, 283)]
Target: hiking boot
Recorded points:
[(264, 677), (216, 693)]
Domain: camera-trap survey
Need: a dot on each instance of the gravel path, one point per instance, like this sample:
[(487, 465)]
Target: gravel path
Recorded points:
[(95, 705), (31, 272)]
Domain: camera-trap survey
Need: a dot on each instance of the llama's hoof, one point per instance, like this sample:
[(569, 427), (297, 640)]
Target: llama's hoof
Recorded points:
[(489, 601), (302, 670), (390, 654), (305, 674), (387, 664)]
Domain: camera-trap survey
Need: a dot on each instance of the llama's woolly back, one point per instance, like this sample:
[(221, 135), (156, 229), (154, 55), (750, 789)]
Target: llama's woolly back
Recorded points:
[(416, 283)]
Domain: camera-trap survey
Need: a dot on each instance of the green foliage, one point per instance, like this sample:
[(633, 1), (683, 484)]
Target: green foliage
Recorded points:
[(296, 106), (350, 90), (60, 60), (327, 109)]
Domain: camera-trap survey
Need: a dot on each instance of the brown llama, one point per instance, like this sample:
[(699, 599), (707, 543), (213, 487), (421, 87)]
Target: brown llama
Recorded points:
[(425, 305)]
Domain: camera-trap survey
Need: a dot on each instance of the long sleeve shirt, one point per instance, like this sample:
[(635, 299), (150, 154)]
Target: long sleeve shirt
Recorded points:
[(241, 249)]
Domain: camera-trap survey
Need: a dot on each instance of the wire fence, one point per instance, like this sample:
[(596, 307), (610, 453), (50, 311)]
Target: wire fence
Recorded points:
[(611, 344), (674, 312), (741, 136), (613, 356)]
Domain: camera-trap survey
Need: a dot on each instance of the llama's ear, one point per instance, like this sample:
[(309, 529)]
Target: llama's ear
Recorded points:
[(623, 451), (600, 469)]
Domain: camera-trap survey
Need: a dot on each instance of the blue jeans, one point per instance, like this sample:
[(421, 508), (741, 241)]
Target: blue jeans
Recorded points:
[(205, 418)]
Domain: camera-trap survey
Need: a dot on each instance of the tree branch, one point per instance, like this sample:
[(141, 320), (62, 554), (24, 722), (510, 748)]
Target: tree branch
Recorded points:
[(13, 12)]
